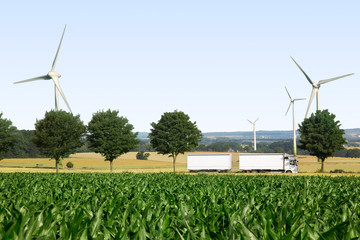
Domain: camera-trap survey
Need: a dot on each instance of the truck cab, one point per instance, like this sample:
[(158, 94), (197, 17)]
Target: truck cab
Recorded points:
[(291, 165)]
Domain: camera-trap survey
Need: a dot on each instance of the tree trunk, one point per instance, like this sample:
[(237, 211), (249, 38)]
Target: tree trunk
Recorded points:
[(57, 165), (111, 162), (322, 165), (174, 161)]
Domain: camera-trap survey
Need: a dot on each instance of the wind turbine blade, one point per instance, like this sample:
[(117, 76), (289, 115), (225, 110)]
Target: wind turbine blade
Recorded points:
[(311, 98), (57, 84), (297, 99), (307, 77), (249, 121), (45, 77), (335, 78), (288, 92), (256, 120), (288, 108), (57, 52)]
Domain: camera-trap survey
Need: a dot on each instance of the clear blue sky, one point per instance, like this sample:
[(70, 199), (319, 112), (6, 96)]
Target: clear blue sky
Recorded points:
[(221, 62)]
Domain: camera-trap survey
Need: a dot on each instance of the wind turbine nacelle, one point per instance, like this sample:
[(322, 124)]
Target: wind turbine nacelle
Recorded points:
[(54, 74)]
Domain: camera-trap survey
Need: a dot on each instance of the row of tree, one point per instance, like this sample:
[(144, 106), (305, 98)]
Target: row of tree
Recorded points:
[(231, 146), (60, 134), (274, 147), (23, 147)]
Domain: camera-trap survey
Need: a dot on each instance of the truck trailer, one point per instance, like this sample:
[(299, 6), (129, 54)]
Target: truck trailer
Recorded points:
[(209, 162), (267, 162)]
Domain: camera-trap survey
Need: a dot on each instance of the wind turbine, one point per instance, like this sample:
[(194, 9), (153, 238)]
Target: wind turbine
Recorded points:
[(292, 102), (316, 86), (253, 123), (54, 76)]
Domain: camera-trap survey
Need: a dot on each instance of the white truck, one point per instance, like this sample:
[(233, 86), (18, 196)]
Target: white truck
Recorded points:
[(209, 162), (267, 162)]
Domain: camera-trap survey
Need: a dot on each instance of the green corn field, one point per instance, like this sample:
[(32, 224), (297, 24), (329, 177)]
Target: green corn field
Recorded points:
[(181, 206)]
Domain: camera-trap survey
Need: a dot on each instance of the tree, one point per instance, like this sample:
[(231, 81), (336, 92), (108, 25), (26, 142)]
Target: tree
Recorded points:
[(23, 147), (111, 135), (141, 155), (201, 148), (174, 134), (353, 153), (7, 135), (321, 135), (282, 146), (279, 150), (340, 153), (144, 145), (59, 134)]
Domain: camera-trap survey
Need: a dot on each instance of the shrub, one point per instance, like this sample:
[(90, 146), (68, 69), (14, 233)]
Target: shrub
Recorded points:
[(69, 165), (142, 156)]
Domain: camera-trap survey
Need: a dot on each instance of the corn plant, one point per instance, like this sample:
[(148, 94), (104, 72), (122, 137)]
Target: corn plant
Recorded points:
[(168, 206)]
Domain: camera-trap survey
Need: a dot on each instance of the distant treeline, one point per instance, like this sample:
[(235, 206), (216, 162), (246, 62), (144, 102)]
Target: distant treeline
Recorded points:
[(25, 148), (274, 147)]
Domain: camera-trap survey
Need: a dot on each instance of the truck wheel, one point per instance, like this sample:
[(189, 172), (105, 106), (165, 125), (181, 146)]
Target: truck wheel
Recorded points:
[(288, 171)]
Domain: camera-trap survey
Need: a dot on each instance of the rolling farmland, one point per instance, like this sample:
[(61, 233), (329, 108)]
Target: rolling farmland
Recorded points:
[(169, 206), (92, 162)]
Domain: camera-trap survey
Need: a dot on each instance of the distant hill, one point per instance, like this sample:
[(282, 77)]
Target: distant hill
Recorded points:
[(249, 135), (350, 134), (142, 135)]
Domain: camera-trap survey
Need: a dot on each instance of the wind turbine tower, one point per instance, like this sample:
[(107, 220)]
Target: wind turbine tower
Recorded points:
[(316, 86), (55, 77), (253, 123), (292, 102)]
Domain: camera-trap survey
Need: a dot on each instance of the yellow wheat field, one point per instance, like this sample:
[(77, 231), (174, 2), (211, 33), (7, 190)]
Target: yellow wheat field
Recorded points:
[(92, 162)]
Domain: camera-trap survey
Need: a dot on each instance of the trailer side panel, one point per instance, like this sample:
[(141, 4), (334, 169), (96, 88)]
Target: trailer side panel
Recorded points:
[(261, 161), (209, 161)]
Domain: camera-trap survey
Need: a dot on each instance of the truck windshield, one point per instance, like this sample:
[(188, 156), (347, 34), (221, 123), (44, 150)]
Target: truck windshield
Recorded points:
[(292, 162)]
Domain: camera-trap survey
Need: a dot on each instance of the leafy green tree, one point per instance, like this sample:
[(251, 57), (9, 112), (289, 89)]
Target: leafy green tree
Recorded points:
[(247, 149), (201, 148), (263, 148), (111, 135), (144, 145), (7, 135), (23, 147), (59, 134), (173, 134), (282, 146), (279, 150), (141, 155), (215, 147), (321, 135)]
